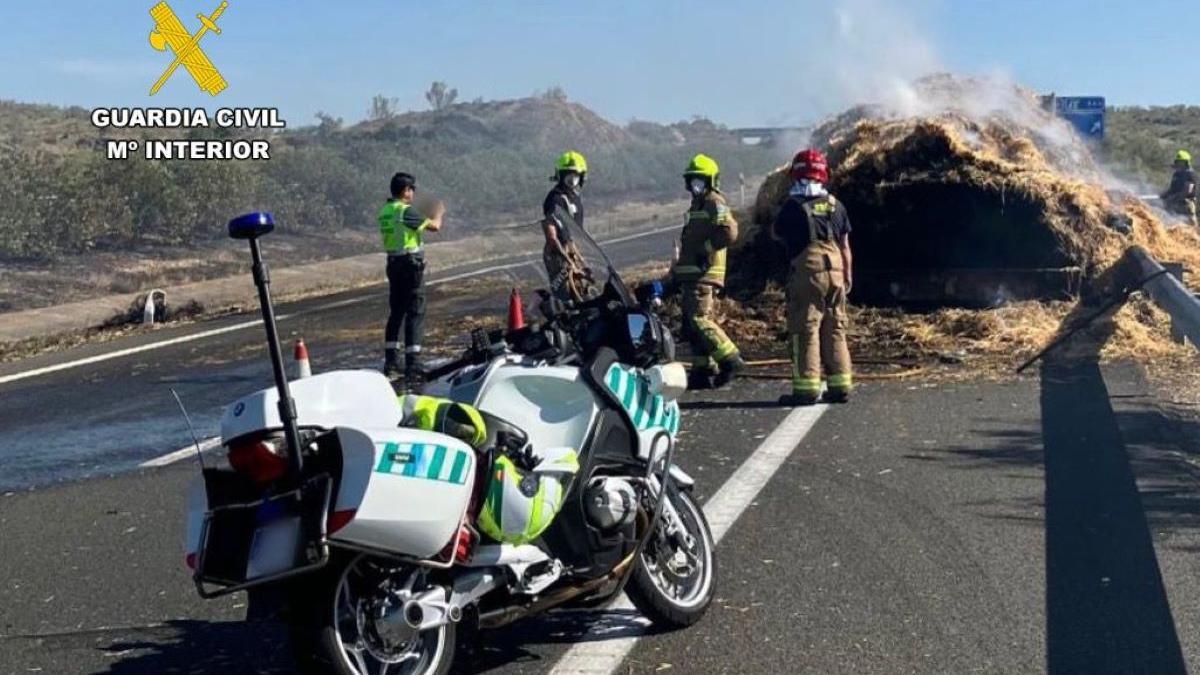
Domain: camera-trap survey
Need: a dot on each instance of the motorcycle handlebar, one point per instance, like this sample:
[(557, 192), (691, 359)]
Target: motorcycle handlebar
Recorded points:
[(468, 359)]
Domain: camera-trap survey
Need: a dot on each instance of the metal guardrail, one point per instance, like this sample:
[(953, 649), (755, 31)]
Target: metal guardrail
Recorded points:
[(1163, 283)]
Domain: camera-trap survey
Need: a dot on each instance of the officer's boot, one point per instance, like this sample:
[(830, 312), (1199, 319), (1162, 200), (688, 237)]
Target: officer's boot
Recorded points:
[(728, 369), (391, 364), (414, 375)]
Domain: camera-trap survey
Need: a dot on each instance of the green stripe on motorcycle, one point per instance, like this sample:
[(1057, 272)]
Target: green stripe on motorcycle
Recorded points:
[(387, 458), (435, 464), (628, 401), (614, 379), (655, 412), (410, 468), (457, 471), (641, 394)]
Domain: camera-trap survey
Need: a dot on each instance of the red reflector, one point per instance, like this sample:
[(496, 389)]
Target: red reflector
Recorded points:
[(191, 560), (257, 459), (465, 540), (338, 520)]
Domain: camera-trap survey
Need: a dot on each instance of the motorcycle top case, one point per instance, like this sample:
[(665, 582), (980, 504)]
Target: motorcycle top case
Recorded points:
[(340, 398), (408, 489)]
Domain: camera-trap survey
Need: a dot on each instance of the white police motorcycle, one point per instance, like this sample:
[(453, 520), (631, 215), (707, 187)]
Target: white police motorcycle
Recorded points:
[(360, 533)]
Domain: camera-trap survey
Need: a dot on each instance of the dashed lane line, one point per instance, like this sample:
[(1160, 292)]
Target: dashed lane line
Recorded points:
[(603, 657), (182, 453)]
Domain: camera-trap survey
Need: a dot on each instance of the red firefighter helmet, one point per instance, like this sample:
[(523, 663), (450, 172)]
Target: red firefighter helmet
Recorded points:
[(810, 164)]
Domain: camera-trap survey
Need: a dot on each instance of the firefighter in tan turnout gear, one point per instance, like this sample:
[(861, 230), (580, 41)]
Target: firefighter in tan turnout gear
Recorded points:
[(700, 273), (1180, 197), (815, 230)]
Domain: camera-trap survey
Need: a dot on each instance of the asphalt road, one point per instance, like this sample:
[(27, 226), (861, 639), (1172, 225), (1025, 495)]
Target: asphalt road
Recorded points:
[(112, 415), (1048, 523)]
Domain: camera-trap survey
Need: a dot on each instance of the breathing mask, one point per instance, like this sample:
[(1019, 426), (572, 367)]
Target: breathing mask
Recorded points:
[(806, 187), (697, 186), (571, 180)]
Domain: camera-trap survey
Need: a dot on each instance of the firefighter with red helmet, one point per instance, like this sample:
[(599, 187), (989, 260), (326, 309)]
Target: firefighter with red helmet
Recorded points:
[(815, 230)]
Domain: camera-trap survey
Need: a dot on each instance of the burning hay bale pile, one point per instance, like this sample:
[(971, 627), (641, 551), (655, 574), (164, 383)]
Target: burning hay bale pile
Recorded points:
[(972, 183)]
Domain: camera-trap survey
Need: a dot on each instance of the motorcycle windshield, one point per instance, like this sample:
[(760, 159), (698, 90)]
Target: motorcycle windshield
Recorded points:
[(603, 272)]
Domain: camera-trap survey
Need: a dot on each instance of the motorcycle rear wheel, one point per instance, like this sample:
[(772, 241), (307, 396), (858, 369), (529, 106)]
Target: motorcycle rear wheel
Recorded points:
[(325, 639), (673, 585)]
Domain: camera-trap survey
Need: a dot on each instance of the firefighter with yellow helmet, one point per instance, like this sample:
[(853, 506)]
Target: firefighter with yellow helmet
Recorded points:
[(570, 278), (699, 270), (1180, 197)]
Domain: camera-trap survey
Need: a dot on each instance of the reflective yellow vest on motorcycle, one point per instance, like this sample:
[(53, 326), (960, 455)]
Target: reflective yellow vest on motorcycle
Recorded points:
[(708, 232)]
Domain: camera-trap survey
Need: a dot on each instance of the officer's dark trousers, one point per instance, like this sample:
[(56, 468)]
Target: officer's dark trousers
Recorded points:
[(406, 299)]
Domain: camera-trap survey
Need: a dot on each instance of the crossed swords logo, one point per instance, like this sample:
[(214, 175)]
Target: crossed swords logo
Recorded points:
[(170, 32)]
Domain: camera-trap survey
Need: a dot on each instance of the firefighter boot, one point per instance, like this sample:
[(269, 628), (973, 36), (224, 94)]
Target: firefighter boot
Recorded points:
[(798, 398), (837, 396), (727, 369), (700, 378)]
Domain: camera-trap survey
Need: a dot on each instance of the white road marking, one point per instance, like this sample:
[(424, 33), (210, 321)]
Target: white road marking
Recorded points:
[(488, 270), (639, 235), (182, 453), (126, 352), (603, 657), (5, 379)]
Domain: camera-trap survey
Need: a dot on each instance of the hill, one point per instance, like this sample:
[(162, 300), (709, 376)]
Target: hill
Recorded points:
[(1142, 141), (490, 161), (541, 122)]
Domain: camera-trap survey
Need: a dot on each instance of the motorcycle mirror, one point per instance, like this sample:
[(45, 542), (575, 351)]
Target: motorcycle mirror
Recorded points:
[(251, 225)]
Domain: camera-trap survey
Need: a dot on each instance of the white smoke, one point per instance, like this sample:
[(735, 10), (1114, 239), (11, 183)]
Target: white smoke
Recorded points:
[(878, 49), (878, 53)]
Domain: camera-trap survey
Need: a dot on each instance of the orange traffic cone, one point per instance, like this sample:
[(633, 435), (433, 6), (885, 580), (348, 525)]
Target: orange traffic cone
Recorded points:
[(303, 367), (516, 311)]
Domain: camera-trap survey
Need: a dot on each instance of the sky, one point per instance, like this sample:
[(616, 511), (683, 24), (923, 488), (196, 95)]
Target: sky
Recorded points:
[(747, 63)]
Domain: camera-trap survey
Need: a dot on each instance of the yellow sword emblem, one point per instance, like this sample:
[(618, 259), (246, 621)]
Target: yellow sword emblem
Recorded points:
[(169, 31)]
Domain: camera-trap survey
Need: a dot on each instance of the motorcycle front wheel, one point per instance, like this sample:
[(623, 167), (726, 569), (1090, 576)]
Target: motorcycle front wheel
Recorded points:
[(675, 577), (335, 632)]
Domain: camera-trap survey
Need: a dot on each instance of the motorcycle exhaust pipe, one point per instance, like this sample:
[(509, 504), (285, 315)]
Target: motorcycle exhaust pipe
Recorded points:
[(506, 615), (417, 617), (414, 614)]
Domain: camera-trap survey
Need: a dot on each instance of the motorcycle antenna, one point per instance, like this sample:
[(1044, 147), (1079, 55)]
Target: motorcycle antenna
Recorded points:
[(250, 227), (191, 429)]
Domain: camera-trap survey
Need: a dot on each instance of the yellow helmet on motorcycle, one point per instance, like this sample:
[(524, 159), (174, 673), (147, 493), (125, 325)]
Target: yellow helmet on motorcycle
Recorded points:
[(430, 413), (521, 503)]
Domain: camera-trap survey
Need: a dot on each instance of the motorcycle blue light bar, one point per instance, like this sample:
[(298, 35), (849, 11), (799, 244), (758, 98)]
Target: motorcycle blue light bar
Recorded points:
[(251, 225)]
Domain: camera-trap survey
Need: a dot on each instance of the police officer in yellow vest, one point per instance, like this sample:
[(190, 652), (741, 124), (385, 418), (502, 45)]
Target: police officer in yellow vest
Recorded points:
[(700, 272), (815, 230), (402, 228)]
